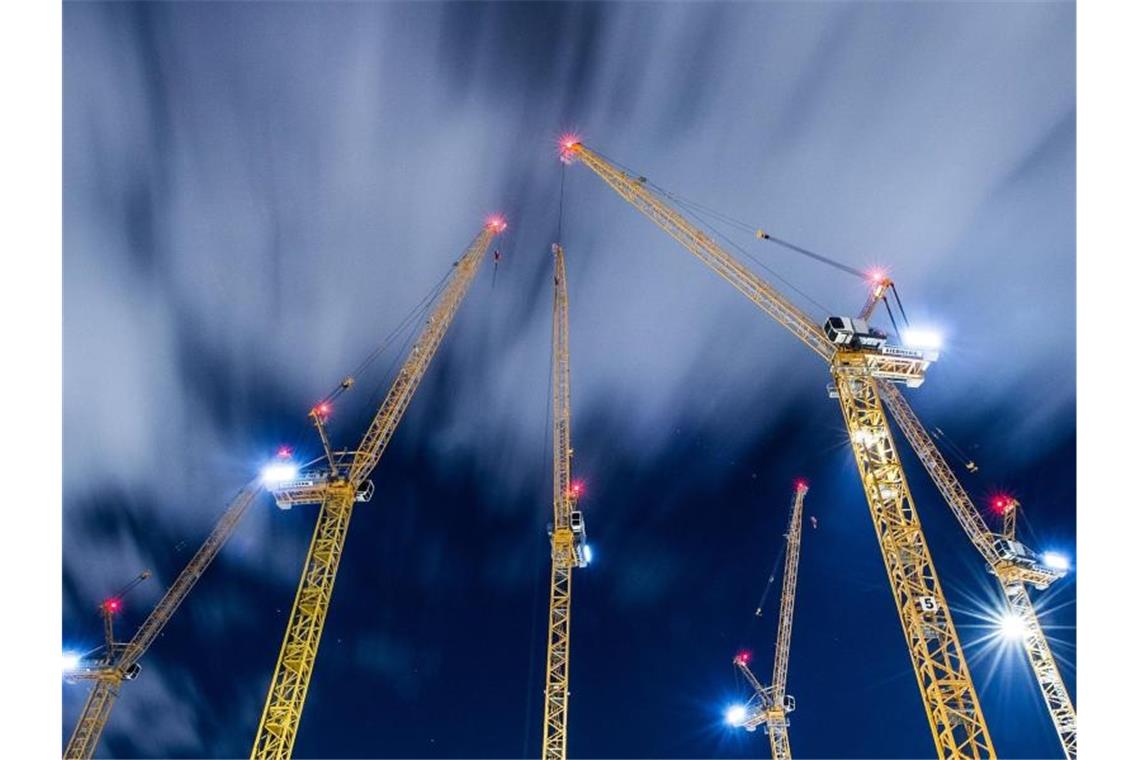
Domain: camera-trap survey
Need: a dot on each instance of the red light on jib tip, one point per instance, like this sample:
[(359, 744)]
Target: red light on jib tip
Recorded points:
[(566, 144), (801, 484), (744, 656), (284, 452), (497, 222), (112, 605), (1001, 503)]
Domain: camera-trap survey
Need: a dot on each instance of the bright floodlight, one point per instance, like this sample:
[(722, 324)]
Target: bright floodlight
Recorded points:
[(588, 553), (71, 661), (1055, 560), (735, 715), (928, 339), (276, 473), (1012, 627)]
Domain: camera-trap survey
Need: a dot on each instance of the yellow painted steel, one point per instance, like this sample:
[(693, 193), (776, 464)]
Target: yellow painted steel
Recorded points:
[(564, 549), (1009, 519), (285, 701), (769, 706), (952, 706), (945, 686), (1011, 576), (122, 660), (777, 717), (96, 711)]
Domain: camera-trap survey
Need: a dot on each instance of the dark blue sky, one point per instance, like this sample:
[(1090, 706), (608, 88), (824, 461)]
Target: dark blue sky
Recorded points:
[(254, 194)]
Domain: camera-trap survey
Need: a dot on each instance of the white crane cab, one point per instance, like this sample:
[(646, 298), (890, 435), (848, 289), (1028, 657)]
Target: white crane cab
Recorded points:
[(577, 522), (853, 332)]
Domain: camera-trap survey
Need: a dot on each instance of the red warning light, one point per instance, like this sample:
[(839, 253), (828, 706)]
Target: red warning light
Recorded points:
[(801, 484), (323, 409), (1001, 503), (877, 275), (576, 489), (496, 222), (743, 656), (566, 145), (284, 452), (112, 605)]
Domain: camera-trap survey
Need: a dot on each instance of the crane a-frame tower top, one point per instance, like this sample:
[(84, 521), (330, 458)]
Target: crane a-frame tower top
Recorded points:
[(337, 488), (945, 686)]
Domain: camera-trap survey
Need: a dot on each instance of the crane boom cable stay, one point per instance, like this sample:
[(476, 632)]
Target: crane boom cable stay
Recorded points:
[(288, 688), (419, 308), (694, 207), (946, 688)]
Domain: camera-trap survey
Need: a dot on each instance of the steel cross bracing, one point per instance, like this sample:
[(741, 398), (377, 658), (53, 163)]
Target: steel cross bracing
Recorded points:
[(108, 679), (563, 541), (951, 702), (281, 715), (96, 711), (945, 686), (1010, 575)]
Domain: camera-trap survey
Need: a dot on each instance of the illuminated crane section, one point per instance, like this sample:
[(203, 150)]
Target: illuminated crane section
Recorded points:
[(1014, 565), (568, 548), (859, 359), (120, 662), (337, 489), (769, 705)]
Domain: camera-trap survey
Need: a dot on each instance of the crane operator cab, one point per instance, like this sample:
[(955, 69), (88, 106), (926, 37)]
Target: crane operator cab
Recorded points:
[(1017, 553), (854, 333), (577, 523), (582, 554)]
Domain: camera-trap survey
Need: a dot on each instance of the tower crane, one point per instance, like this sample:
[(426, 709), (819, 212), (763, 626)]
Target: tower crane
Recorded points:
[(769, 705), (568, 548), (336, 489), (1010, 561), (861, 362), (120, 662)]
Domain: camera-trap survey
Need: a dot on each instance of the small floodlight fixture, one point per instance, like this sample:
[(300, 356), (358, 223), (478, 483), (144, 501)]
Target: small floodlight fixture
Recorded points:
[(278, 472), (735, 715), (922, 339), (71, 661), (1012, 627)]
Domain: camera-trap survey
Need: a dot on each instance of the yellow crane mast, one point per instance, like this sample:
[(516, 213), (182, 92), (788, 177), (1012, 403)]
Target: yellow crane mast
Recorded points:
[(121, 661), (1013, 564), (859, 364), (568, 548), (769, 706), (337, 489)]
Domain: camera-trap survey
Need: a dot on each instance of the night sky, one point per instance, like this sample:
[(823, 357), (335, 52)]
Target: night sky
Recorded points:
[(256, 194)]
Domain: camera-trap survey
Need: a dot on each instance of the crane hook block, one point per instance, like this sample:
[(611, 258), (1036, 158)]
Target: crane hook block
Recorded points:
[(761, 234)]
